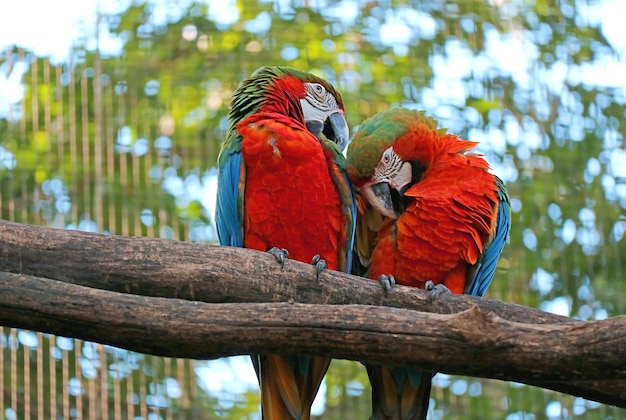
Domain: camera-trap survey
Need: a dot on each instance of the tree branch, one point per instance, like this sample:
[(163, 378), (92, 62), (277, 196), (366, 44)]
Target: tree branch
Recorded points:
[(212, 274), (460, 335)]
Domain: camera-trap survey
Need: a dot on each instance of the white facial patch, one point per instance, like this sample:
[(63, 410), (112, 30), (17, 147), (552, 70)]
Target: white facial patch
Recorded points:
[(312, 113)]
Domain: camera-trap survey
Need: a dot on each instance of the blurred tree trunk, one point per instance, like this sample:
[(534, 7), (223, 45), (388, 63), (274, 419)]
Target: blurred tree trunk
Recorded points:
[(184, 300)]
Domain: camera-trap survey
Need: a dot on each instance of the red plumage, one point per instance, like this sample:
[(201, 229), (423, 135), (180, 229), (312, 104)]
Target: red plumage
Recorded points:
[(449, 217), (282, 184), (287, 179), (428, 210)]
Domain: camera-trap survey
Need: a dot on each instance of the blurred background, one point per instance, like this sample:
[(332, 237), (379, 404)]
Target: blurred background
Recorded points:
[(112, 113)]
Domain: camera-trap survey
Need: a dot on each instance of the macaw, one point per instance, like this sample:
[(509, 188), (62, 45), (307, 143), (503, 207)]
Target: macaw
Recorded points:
[(429, 213), (283, 188)]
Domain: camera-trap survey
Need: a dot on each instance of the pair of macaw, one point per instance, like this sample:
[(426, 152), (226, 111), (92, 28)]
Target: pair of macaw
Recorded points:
[(411, 204)]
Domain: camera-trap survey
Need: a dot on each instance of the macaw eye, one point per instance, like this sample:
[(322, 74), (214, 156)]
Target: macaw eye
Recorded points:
[(319, 98), (386, 157), (319, 89)]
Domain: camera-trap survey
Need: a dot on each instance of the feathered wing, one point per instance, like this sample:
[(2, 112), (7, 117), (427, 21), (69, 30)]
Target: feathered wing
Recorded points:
[(368, 224), (337, 169), (231, 168), (229, 203), (231, 182), (482, 274)]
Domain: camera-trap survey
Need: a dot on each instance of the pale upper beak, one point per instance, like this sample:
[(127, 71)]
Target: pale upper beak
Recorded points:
[(334, 128)]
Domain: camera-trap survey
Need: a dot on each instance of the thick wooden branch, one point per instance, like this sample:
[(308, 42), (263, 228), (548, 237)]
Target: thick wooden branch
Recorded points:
[(471, 342), (559, 353), (213, 274)]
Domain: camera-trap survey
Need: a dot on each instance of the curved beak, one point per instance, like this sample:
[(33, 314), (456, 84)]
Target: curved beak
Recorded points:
[(334, 128), (379, 196), (315, 127)]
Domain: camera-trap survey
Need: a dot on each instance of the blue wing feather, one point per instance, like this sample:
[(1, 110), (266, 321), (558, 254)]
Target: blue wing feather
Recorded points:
[(339, 176), (483, 275), (228, 209), (351, 225)]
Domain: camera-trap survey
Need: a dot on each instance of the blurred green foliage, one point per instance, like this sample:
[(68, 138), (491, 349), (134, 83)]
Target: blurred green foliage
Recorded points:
[(123, 138)]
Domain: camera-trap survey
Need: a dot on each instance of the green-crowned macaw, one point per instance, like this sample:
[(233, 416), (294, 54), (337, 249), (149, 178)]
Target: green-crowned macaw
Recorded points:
[(282, 186), (429, 213)]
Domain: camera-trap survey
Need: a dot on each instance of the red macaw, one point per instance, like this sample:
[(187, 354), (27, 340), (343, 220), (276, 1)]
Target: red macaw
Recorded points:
[(429, 213), (282, 186)]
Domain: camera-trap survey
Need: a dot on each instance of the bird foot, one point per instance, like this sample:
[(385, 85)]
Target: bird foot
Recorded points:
[(281, 255), (320, 265), (387, 282), (436, 290)]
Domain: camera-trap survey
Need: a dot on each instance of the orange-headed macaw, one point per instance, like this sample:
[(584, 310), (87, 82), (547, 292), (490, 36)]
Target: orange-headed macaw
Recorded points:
[(429, 213), (283, 188)]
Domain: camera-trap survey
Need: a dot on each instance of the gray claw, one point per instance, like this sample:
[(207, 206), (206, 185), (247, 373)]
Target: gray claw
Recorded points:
[(320, 265), (436, 290), (281, 254), (387, 282)]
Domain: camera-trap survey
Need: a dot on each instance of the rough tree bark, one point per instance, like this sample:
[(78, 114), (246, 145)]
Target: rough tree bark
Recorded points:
[(50, 281)]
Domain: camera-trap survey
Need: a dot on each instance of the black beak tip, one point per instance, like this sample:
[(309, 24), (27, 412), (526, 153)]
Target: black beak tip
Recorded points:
[(334, 128), (315, 127)]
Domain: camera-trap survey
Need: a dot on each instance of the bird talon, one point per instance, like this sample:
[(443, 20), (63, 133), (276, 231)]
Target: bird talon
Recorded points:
[(281, 254), (320, 265), (436, 290), (387, 282)]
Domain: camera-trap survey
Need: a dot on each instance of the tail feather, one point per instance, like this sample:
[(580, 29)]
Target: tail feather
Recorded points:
[(289, 384), (399, 393)]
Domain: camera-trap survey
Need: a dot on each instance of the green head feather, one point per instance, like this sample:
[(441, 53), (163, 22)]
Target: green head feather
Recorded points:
[(378, 133), (253, 91), (258, 89)]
